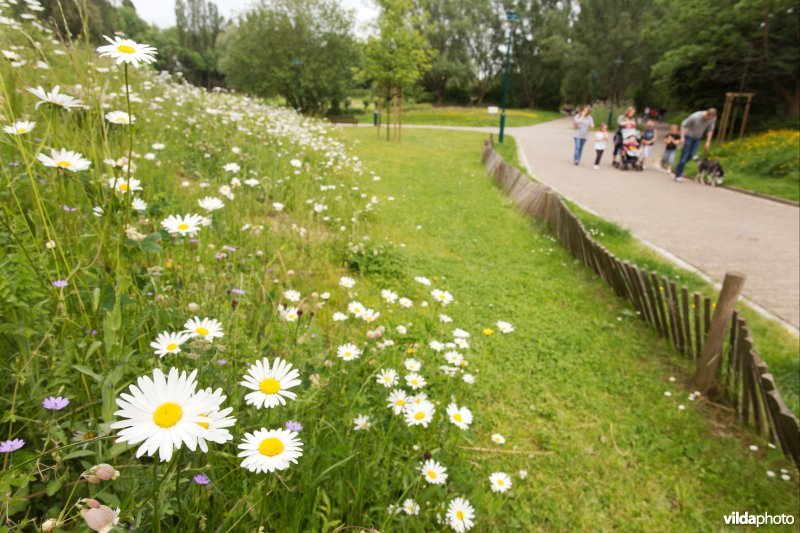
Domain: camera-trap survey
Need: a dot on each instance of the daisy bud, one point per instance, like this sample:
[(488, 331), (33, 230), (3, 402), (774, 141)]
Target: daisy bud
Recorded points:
[(50, 245), (50, 525), (99, 518)]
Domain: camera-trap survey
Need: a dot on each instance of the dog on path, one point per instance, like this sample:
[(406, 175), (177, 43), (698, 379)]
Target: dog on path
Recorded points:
[(709, 172)]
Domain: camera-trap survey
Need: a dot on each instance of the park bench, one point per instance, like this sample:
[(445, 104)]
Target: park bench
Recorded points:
[(343, 119)]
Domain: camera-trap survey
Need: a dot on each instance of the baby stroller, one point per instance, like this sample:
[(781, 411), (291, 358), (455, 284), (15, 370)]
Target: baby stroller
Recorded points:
[(630, 141)]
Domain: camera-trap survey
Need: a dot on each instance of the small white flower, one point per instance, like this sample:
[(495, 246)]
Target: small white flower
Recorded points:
[(361, 422)]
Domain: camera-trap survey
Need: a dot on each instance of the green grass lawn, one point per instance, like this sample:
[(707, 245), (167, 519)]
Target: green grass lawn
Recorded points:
[(579, 389), (466, 116)]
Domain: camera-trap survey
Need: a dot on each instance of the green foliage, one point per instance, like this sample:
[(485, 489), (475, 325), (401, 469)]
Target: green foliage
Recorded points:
[(382, 260), (259, 51)]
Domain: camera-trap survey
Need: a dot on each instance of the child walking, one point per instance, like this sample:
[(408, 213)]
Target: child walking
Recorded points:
[(600, 138), (649, 137), (671, 141)]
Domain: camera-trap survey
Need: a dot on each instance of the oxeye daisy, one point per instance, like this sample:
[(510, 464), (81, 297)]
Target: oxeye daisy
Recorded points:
[(347, 282), (454, 358), (292, 296), (120, 117), (460, 416), (497, 438), (20, 127), (125, 185), (361, 422), (415, 381), (270, 450), (500, 482), (422, 280), (164, 412), (412, 365), (419, 414), (339, 317), (127, 51), (355, 308), (209, 203), (369, 315), (460, 515), (397, 401), (504, 327), (405, 302), (182, 225), (389, 296), (169, 342), (387, 378), (442, 297), (137, 204), (55, 98), (207, 328), (289, 314), (433, 472), (348, 352), (217, 419), (231, 167), (460, 333), (64, 159), (270, 383), (411, 507)]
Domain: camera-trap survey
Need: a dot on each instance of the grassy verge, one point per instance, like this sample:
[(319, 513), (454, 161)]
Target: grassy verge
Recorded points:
[(579, 389), (466, 116)]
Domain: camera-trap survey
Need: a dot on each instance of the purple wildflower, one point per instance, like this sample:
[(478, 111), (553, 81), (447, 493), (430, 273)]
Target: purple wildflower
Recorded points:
[(55, 404), (222, 362), (237, 291), (60, 283), (8, 446), (293, 425), (201, 479)]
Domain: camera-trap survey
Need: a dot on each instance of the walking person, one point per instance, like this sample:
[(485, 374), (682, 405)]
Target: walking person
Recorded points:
[(625, 120), (583, 123), (671, 141), (649, 137), (693, 128), (600, 138)]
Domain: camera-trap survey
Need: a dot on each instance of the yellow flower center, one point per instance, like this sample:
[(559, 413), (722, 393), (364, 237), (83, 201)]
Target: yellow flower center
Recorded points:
[(500, 482), (419, 415), (89, 435), (270, 386), (125, 49), (123, 186), (201, 330), (64, 164), (414, 382), (171, 346), (22, 130), (401, 402), (432, 474), (457, 417), (270, 447), (167, 415), (460, 515), (203, 424)]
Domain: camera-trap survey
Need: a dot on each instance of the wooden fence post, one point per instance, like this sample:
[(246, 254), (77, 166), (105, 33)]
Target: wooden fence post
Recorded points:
[(709, 361)]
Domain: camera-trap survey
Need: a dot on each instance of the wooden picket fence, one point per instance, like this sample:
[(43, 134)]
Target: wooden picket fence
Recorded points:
[(742, 379)]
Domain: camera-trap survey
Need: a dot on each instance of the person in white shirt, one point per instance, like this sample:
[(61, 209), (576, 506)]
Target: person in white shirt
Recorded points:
[(600, 138)]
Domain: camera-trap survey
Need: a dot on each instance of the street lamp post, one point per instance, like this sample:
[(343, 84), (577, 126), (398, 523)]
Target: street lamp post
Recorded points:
[(511, 16), (617, 63), (296, 63)]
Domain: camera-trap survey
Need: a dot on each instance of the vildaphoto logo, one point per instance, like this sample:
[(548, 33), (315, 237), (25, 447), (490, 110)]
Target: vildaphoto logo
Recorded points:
[(762, 519)]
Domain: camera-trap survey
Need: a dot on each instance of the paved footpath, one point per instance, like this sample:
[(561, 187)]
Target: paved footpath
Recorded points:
[(714, 230)]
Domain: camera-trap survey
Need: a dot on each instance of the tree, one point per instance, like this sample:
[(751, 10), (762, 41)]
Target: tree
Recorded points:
[(483, 40), (447, 31), (712, 48), (198, 25), (398, 58), (68, 18), (260, 48)]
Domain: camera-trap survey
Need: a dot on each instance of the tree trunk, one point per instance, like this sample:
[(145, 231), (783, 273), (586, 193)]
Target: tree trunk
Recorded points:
[(791, 98)]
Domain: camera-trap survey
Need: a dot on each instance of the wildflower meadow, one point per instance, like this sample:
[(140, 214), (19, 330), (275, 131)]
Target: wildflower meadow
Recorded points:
[(174, 306)]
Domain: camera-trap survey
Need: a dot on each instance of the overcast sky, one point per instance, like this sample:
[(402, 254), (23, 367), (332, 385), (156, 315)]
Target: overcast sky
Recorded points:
[(162, 12)]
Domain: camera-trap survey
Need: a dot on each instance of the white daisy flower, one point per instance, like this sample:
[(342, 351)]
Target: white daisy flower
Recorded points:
[(125, 185), (348, 352), (232, 167), (169, 342), (433, 472), (355, 308), (188, 224), (460, 416), (270, 450), (462, 343), (127, 51), (522, 474), (339, 317), (401, 330), (369, 315), (460, 515), (454, 358), (137, 204), (389, 296), (361, 422), (504, 327), (277, 206), (347, 282), (500, 482), (397, 401), (442, 297), (291, 295), (411, 507), (421, 413), (415, 381), (218, 420), (469, 379), (55, 98), (387, 378), (20, 127), (412, 365), (64, 159), (405, 302), (459, 333), (164, 412), (445, 319), (289, 314), (207, 328), (424, 281), (270, 384), (120, 117), (209, 203), (497, 438)]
